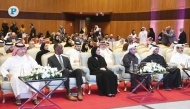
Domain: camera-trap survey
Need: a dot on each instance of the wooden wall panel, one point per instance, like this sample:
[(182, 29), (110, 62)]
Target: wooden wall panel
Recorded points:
[(105, 26), (169, 4), (43, 25), (33, 5), (69, 6), (83, 5)]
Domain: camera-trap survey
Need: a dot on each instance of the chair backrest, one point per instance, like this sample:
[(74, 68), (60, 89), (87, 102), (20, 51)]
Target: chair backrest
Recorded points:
[(144, 55), (186, 50), (2, 51), (164, 51), (84, 58), (65, 49), (118, 50), (32, 52), (50, 47), (168, 56), (117, 57), (139, 51), (45, 57), (4, 58)]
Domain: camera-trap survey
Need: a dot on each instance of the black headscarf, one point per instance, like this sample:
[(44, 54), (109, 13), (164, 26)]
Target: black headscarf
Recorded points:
[(83, 47), (93, 51), (40, 53), (151, 34), (67, 43)]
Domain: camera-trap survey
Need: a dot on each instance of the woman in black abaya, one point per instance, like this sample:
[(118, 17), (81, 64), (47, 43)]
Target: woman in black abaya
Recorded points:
[(43, 50), (106, 79)]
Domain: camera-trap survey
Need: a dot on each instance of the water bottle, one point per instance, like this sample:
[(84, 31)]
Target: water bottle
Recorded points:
[(131, 67)]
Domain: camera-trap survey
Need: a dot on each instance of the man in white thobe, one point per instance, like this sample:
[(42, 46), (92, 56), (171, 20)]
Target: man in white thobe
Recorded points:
[(143, 35), (74, 54), (19, 64), (106, 53), (179, 58)]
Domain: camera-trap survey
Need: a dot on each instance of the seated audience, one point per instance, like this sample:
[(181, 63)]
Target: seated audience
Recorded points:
[(57, 39), (131, 58), (173, 79), (43, 50), (31, 45), (84, 47), (69, 43), (91, 44), (63, 63), (106, 79), (9, 47), (74, 54), (11, 68), (179, 58)]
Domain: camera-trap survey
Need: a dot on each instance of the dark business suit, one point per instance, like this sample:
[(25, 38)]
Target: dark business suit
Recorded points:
[(182, 38), (32, 31), (10, 39), (54, 62)]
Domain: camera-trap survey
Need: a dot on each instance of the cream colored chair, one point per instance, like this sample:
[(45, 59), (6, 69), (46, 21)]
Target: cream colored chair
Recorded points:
[(164, 51), (186, 50), (67, 49), (90, 79), (50, 47), (5, 84), (2, 51), (144, 55), (53, 84), (32, 52), (139, 51), (122, 76), (168, 56)]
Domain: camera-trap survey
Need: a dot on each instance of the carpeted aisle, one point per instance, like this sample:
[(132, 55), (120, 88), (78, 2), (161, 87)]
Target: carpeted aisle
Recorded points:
[(94, 101)]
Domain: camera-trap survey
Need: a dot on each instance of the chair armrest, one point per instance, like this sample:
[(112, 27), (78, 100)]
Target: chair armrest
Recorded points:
[(4, 78), (113, 68)]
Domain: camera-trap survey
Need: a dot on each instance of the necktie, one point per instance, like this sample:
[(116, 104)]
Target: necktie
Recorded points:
[(61, 62)]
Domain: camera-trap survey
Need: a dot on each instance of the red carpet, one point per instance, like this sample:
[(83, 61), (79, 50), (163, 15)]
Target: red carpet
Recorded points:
[(94, 101)]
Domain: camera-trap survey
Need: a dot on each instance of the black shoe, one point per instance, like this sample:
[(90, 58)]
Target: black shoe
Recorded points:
[(167, 89)]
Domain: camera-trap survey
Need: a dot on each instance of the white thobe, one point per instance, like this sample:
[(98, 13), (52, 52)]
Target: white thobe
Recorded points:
[(19, 66), (178, 59), (73, 55), (143, 37), (107, 54)]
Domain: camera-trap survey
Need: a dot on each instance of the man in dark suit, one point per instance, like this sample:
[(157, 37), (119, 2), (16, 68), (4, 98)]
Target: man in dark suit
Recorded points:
[(182, 36), (63, 63), (99, 32), (32, 32), (13, 38), (80, 39)]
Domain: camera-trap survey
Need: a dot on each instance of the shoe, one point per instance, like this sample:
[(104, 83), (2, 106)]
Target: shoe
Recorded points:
[(109, 95), (18, 102), (150, 89), (35, 101), (167, 89), (70, 97), (113, 95), (179, 87), (79, 96)]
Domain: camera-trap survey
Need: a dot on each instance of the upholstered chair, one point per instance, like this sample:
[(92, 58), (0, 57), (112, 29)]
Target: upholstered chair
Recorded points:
[(5, 84), (53, 84), (120, 70), (32, 52)]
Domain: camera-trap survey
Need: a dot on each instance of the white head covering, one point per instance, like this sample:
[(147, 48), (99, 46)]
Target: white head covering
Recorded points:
[(8, 45), (173, 44), (152, 47), (129, 48), (7, 36), (175, 48)]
